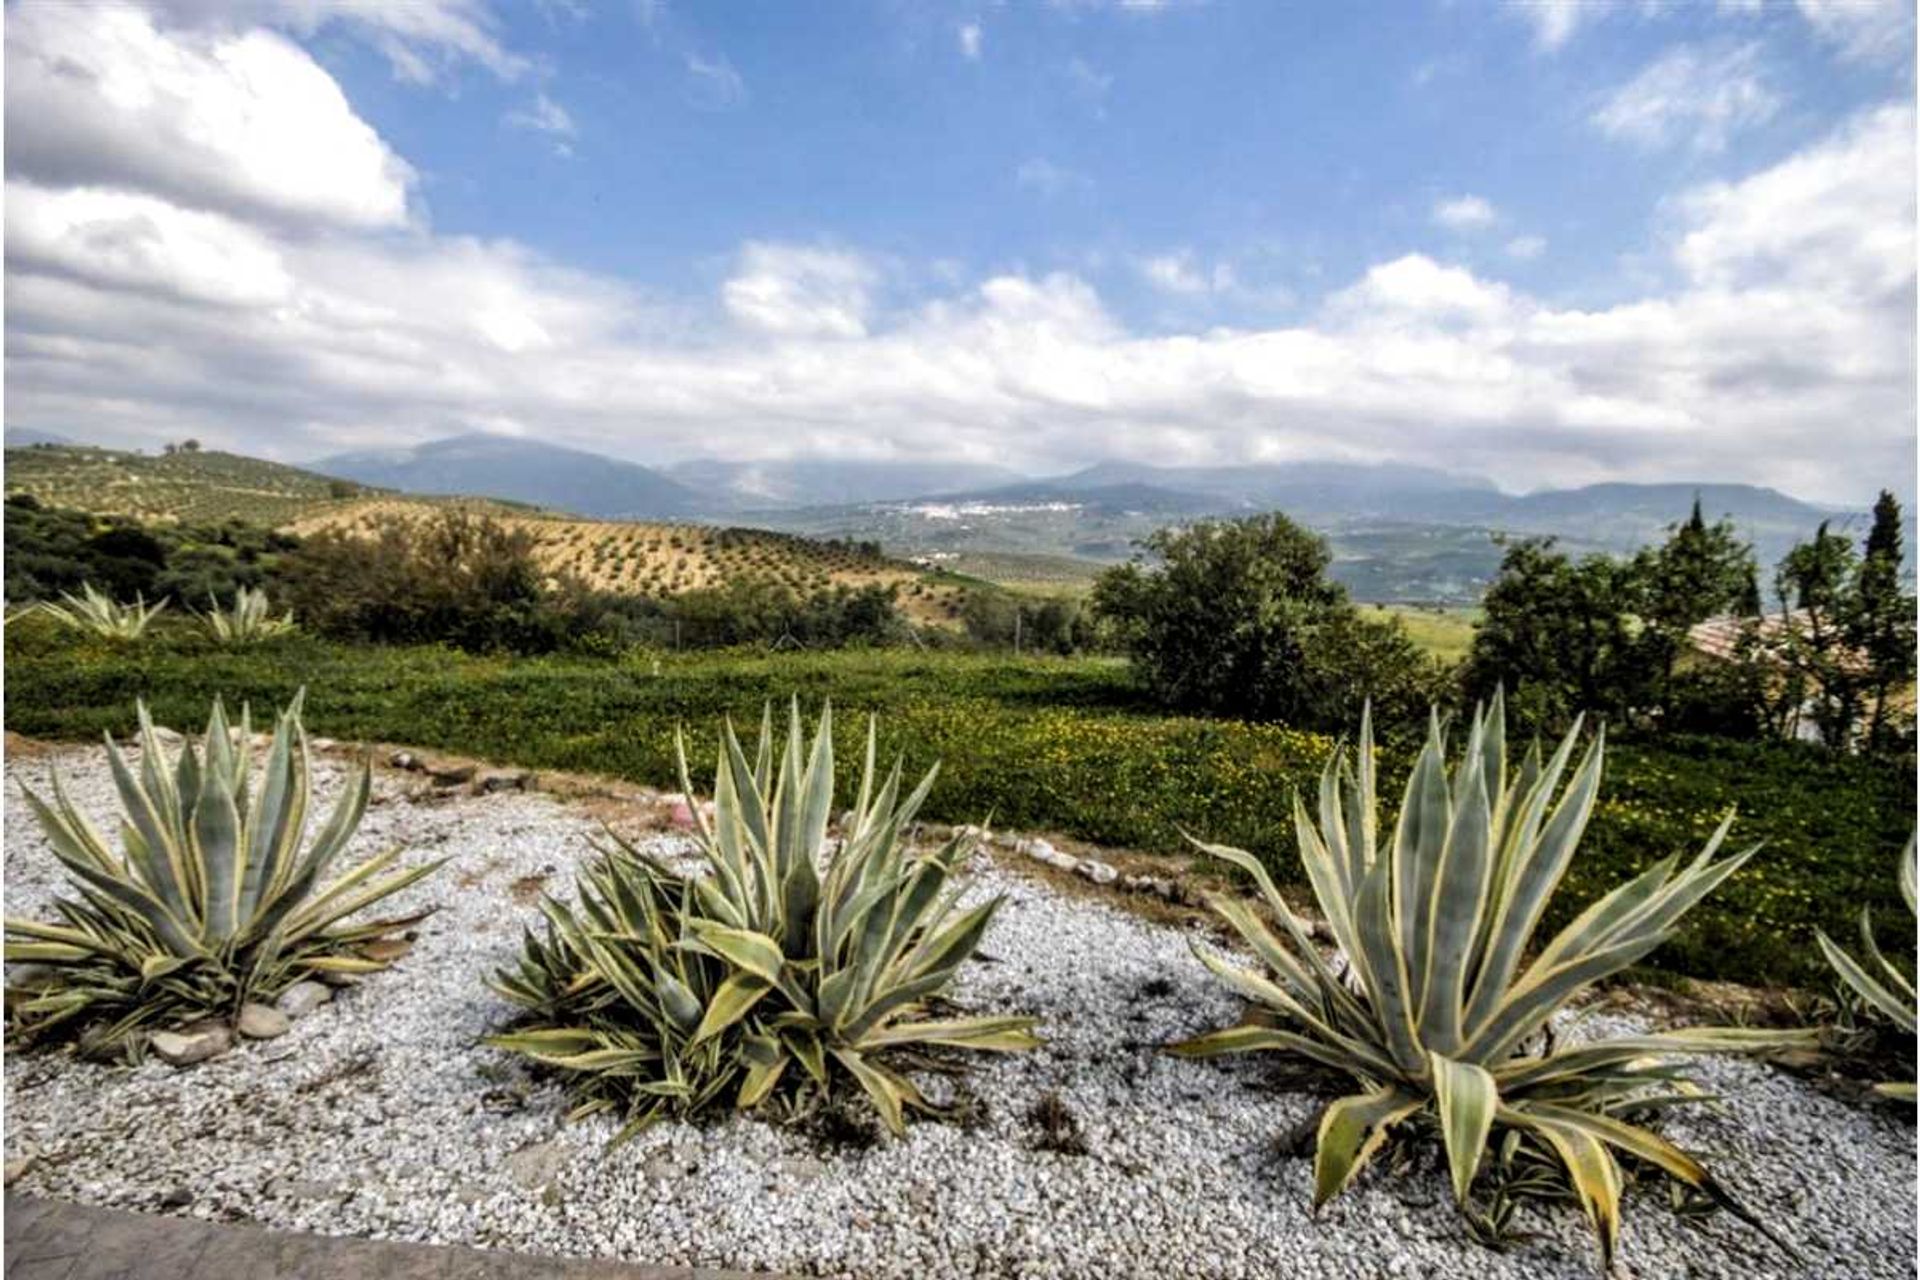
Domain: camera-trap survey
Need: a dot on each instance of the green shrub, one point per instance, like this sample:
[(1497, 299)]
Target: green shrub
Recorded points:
[(779, 972), (1240, 618)]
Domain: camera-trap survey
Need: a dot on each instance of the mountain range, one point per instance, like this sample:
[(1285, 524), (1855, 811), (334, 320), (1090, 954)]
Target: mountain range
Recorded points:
[(1397, 530)]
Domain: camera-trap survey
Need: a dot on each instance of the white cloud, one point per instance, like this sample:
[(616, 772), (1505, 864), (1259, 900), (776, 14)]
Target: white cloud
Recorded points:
[(1465, 213), (1835, 220), (119, 240), (713, 84), (1782, 350), (243, 123), (1863, 30), (796, 291), (421, 39), (1554, 22), (543, 115), (1526, 248), (1697, 96), (969, 36)]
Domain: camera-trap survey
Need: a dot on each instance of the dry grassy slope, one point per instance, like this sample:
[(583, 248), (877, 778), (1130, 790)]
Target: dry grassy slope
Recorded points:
[(667, 559), (198, 486), (206, 486)]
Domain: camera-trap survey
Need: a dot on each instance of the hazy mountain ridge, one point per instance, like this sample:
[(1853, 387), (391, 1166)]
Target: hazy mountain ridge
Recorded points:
[(546, 475)]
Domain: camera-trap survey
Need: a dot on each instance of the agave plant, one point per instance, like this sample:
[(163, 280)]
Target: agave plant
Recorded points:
[(1437, 1008), (249, 621), (1882, 987), (786, 968), (214, 899), (101, 615)]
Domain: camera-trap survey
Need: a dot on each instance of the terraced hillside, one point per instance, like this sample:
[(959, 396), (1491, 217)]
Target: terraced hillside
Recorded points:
[(191, 486), (656, 559)]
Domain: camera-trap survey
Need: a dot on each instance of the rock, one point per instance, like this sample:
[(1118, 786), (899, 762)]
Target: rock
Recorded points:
[(303, 997), (333, 979), (262, 1022), (1043, 851), (323, 744), (168, 738), (178, 1198), (404, 760), (536, 1166), (1097, 871), (192, 1044), (447, 774), (17, 1169), (503, 780), (681, 815)]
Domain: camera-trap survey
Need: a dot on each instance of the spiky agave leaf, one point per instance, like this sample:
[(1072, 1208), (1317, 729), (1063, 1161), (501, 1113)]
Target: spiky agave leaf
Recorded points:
[(1445, 997), (791, 966), (1877, 981), (101, 615), (214, 896), (249, 621)]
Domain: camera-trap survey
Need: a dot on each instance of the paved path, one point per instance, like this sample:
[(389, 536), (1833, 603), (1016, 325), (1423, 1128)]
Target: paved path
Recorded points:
[(54, 1240)]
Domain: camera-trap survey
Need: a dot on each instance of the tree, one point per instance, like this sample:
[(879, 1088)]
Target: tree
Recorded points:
[(1239, 617), (1701, 571), (1561, 636), (1880, 624), (1816, 584)]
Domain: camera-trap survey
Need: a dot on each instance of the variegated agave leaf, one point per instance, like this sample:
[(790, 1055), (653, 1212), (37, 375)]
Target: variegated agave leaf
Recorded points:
[(101, 615), (214, 896), (1882, 985), (249, 621), (1443, 991), (815, 960)]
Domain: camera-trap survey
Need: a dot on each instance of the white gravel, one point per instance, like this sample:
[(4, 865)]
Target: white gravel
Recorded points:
[(372, 1118)]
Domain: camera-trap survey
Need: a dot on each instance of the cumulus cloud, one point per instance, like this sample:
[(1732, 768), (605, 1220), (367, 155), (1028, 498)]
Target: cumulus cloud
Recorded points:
[(969, 36), (793, 290), (1465, 213), (245, 123), (1780, 351), (1696, 96), (123, 240)]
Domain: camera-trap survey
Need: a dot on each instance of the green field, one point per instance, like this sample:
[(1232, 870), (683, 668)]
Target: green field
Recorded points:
[(1446, 632), (1038, 743)]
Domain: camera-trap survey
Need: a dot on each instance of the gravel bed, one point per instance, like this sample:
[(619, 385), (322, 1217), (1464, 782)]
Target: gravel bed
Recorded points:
[(381, 1116)]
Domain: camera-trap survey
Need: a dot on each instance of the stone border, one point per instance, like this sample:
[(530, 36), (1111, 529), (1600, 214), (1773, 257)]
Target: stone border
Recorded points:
[(55, 1240)]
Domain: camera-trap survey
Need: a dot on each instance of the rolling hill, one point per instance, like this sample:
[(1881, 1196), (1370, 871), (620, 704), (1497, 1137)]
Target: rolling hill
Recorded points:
[(528, 471), (642, 557), (195, 486)]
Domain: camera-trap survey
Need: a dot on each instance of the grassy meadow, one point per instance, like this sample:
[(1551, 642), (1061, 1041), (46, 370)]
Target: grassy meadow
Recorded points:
[(1055, 744)]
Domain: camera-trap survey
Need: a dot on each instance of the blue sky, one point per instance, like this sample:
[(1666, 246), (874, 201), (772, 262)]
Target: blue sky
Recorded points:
[(1296, 142), (1552, 243)]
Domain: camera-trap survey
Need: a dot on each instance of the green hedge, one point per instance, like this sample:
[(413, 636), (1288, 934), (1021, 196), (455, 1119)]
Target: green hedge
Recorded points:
[(1047, 743)]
